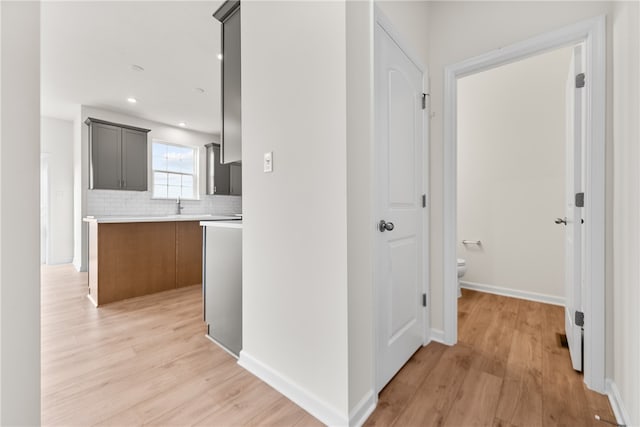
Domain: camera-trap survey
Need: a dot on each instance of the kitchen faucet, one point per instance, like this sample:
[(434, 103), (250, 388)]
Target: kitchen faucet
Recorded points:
[(179, 206)]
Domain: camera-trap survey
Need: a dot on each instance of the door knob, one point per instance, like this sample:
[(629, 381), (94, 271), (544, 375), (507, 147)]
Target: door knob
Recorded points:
[(561, 220), (385, 226)]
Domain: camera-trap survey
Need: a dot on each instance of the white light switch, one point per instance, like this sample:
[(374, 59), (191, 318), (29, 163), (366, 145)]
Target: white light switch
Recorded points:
[(268, 161)]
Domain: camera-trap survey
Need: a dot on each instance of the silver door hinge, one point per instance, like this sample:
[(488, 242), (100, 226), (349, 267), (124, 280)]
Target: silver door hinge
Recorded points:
[(424, 300), (424, 200), (579, 320), (579, 200), (424, 101), (580, 80)]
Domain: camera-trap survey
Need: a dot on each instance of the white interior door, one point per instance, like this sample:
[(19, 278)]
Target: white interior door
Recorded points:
[(573, 210), (398, 271)]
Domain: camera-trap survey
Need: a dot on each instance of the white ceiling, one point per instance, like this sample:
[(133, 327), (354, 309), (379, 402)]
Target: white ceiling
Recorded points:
[(88, 48)]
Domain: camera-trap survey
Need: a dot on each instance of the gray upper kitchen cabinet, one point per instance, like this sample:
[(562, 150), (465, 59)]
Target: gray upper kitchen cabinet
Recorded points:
[(217, 173), (235, 184), (117, 156), (231, 136), (134, 160), (222, 179), (105, 145)]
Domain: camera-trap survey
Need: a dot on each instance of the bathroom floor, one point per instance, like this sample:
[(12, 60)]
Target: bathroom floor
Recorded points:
[(508, 369)]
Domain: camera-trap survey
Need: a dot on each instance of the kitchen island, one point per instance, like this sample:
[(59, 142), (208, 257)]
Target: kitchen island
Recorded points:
[(131, 256)]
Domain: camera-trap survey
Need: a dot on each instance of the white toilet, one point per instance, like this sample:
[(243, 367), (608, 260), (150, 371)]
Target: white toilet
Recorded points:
[(462, 268)]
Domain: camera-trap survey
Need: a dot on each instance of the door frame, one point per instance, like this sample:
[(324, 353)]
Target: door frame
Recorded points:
[(385, 23), (45, 196), (592, 33)]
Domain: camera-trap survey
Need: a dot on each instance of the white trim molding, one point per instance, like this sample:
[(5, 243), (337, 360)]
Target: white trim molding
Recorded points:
[(617, 404), (59, 261), (308, 401), (512, 293), (359, 414), (383, 20), (437, 335), (592, 33), (92, 300)]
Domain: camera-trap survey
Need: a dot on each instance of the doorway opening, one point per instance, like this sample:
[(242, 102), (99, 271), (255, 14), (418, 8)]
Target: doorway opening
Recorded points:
[(519, 232), (510, 180), (591, 35)]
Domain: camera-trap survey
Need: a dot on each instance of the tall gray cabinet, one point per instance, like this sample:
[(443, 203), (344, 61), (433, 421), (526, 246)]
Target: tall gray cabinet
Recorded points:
[(117, 156), (231, 136), (222, 282)]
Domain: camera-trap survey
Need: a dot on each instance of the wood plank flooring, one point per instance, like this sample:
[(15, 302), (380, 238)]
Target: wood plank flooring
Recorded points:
[(508, 369), (146, 361)]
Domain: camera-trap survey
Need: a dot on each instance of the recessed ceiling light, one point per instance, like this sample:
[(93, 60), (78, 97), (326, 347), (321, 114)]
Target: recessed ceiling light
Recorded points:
[(220, 56), (135, 67), (132, 100), (199, 90), (182, 124)]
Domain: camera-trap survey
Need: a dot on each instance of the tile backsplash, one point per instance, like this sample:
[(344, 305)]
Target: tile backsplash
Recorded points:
[(118, 202)]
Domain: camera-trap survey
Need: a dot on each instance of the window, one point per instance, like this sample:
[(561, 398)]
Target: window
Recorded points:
[(174, 171)]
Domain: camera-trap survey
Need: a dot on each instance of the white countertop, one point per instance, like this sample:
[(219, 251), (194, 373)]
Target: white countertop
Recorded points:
[(161, 218), (222, 224)]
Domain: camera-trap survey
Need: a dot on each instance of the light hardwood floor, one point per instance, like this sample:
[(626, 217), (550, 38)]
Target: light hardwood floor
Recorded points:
[(508, 369), (146, 361)]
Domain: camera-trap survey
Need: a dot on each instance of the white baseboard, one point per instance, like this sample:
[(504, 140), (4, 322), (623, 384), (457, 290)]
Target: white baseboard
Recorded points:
[(513, 293), (617, 404), (363, 409), (79, 267), (92, 300), (437, 335), (308, 401), (60, 261)]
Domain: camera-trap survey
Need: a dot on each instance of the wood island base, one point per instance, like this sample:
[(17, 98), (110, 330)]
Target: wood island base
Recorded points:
[(128, 260)]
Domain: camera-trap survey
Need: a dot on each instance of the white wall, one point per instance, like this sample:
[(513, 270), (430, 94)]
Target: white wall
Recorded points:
[(1, 119), (626, 134), (511, 162), (56, 143), (105, 202), (462, 30), (295, 219), (308, 288), (20, 213)]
